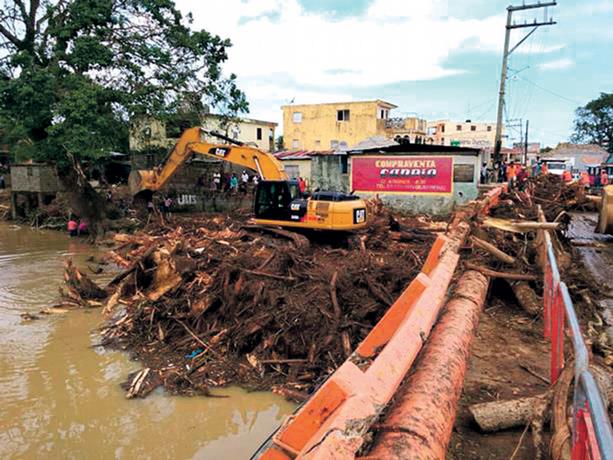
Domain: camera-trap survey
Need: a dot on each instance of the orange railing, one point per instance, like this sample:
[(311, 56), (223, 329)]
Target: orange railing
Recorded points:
[(592, 437)]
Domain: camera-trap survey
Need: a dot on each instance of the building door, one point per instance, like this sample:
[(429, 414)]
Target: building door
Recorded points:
[(293, 171)]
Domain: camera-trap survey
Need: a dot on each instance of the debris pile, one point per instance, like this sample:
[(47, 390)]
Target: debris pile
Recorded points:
[(211, 302)]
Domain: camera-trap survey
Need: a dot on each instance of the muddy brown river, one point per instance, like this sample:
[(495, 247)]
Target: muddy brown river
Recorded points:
[(60, 395)]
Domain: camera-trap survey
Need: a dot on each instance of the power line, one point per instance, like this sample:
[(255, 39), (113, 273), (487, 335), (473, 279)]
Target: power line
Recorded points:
[(549, 91)]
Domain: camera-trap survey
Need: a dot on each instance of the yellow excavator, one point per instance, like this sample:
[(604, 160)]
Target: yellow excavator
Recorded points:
[(278, 200)]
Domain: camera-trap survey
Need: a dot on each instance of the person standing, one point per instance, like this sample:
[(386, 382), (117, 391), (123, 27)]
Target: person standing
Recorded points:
[(511, 175), (233, 183), (167, 206), (217, 181), (83, 228), (545, 169), (567, 176), (301, 185), (604, 177), (244, 181), (484, 173), (73, 227)]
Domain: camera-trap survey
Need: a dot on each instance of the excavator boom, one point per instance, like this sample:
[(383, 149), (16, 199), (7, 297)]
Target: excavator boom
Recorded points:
[(277, 200), (267, 166)]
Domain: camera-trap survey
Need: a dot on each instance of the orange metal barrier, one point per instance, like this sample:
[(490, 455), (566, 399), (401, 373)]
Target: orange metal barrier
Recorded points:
[(333, 421), (592, 436)]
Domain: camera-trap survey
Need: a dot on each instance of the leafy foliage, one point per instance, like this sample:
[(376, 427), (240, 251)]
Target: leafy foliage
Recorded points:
[(74, 72), (594, 122)]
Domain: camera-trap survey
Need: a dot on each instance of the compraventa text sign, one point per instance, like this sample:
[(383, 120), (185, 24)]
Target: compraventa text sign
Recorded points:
[(402, 174)]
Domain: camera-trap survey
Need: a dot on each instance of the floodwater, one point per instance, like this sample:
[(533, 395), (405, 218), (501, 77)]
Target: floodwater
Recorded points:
[(60, 395)]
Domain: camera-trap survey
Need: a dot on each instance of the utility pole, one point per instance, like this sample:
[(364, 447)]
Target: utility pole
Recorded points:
[(526, 144), (506, 53)]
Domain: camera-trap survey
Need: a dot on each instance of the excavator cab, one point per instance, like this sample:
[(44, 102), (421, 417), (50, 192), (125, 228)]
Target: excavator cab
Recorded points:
[(274, 198)]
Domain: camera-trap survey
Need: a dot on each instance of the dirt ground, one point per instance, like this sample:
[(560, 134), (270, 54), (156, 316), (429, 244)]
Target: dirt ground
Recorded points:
[(507, 342)]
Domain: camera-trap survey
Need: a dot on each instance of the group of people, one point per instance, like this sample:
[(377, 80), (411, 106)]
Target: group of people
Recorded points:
[(77, 229), (232, 183), (516, 174), (165, 207)]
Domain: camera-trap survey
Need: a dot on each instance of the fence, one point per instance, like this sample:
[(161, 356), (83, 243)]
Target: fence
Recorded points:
[(592, 437)]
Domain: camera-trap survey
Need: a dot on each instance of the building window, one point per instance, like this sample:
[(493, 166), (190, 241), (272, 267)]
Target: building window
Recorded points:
[(344, 164), (458, 127), (317, 144), (342, 115), (342, 145), (383, 114), (442, 141), (473, 128), (489, 128), (463, 173), (297, 117), (295, 143), (442, 128), (334, 145), (258, 134)]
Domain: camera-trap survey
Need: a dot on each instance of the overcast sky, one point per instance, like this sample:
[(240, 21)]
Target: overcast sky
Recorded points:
[(433, 58)]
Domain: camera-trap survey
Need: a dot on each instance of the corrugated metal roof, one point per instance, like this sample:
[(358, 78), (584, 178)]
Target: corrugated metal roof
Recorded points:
[(300, 154)]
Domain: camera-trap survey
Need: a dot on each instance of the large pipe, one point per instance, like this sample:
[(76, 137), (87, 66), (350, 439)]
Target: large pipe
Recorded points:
[(420, 423)]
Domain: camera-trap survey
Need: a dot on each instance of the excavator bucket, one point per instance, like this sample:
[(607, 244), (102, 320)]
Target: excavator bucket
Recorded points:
[(140, 186), (605, 219)]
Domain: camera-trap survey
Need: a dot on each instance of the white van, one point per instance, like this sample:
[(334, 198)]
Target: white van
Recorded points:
[(558, 165)]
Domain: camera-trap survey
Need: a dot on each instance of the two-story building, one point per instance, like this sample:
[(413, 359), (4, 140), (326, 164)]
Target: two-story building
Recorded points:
[(150, 133), (336, 126), (479, 135)]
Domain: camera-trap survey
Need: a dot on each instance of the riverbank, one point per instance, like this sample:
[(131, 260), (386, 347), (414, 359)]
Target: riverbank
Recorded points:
[(60, 392)]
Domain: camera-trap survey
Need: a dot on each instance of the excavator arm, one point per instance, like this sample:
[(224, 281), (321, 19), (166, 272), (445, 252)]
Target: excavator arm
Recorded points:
[(266, 165)]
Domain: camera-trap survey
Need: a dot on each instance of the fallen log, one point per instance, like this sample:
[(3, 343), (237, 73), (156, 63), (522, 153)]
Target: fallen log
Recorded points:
[(493, 250), (501, 415), (527, 298), (422, 417), (494, 274)]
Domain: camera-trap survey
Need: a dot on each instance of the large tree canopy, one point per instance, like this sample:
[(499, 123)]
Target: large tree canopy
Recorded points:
[(594, 122), (73, 72)]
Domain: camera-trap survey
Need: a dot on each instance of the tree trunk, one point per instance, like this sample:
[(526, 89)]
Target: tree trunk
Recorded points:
[(500, 415)]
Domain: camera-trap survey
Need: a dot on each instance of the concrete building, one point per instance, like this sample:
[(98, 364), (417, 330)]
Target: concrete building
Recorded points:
[(336, 126), (409, 177), (581, 157), (148, 133), (462, 134), (32, 185), (256, 133)]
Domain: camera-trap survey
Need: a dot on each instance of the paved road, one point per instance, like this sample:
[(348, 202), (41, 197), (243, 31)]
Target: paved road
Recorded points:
[(596, 251)]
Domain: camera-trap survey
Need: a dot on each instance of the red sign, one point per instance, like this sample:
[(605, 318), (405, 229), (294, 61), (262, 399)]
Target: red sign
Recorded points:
[(402, 174)]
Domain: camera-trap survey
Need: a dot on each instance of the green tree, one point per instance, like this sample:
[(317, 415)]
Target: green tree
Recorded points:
[(594, 122), (279, 144), (74, 72)]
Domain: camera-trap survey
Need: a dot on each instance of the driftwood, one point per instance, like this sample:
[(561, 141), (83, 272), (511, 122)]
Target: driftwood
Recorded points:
[(527, 298), (494, 274), (500, 415), (493, 250)]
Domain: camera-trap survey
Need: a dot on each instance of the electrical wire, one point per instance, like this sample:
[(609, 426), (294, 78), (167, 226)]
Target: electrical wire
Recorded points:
[(553, 93)]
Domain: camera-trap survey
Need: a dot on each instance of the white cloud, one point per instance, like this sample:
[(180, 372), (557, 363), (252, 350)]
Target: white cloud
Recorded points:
[(557, 64), (392, 41)]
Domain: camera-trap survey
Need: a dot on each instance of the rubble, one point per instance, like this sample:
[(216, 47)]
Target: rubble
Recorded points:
[(210, 301)]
